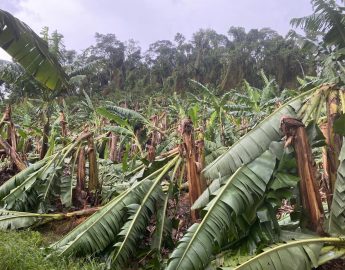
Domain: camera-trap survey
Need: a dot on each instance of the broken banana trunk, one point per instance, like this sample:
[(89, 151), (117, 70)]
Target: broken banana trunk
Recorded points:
[(333, 140), (63, 124), (195, 182), (296, 135), (10, 145), (45, 146), (113, 147), (79, 190), (93, 168)]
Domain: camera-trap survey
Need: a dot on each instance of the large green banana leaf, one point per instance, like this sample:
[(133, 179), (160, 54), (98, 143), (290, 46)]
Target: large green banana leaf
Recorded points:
[(138, 220), (100, 230), (119, 224), (228, 214), (125, 113), (19, 178), (337, 215), (29, 50), (254, 143), (294, 255), (281, 179)]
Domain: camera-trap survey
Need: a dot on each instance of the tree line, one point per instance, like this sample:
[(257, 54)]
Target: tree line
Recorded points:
[(217, 60)]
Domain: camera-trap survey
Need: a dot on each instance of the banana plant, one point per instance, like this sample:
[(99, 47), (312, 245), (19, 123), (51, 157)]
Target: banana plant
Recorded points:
[(254, 143), (215, 109), (337, 215), (119, 224), (295, 254), (30, 51), (14, 220), (225, 211), (35, 187), (130, 124)]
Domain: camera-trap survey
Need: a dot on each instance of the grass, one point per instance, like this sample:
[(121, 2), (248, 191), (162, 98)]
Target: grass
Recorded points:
[(25, 251)]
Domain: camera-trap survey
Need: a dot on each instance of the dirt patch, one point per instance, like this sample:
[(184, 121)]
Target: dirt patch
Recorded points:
[(54, 231), (338, 264), (182, 215), (6, 174)]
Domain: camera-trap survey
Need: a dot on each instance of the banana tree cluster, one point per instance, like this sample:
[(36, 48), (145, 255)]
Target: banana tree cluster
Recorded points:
[(127, 169)]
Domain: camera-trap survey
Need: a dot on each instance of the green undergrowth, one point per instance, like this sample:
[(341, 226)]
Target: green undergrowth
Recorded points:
[(25, 251)]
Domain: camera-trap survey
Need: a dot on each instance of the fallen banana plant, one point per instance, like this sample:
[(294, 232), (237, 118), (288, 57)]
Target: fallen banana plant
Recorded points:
[(12, 220), (33, 187), (254, 143), (120, 222), (228, 214), (295, 255), (337, 215)]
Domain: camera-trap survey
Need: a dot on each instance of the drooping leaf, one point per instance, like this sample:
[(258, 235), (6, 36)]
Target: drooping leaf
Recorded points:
[(337, 213), (117, 225), (125, 113), (213, 151), (138, 220), (254, 143), (111, 116), (66, 186), (315, 135), (284, 180), (216, 184), (19, 178), (261, 234), (120, 130), (162, 221), (100, 230), (135, 226), (29, 50), (35, 191), (234, 205), (87, 68), (293, 255)]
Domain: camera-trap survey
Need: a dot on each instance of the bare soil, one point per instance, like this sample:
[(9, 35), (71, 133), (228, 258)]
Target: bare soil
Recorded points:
[(338, 264)]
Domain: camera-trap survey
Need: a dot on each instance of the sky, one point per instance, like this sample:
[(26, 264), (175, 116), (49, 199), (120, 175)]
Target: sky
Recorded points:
[(147, 21)]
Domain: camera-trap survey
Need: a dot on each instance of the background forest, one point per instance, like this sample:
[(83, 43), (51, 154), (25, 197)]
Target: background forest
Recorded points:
[(220, 61)]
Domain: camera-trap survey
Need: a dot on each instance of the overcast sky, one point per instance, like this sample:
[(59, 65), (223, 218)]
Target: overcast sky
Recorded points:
[(147, 21)]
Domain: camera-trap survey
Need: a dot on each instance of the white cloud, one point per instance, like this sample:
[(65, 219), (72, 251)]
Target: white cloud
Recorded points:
[(150, 20), (62, 15)]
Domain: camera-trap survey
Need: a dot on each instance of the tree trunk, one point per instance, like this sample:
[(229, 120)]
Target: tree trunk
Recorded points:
[(81, 169), (93, 169), (13, 154), (63, 124), (113, 147), (311, 201), (12, 136), (6, 116), (195, 182), (44, 147), (10, 145), (78, 198), (333, 140), (325, 165)]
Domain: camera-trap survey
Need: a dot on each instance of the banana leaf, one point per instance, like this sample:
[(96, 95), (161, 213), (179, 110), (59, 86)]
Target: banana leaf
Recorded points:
[(228, 215), (337, 213), (253, 144), (30, 51)]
